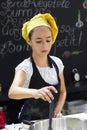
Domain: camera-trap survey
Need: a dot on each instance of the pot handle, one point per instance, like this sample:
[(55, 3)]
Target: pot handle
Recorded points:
[(28, 122)]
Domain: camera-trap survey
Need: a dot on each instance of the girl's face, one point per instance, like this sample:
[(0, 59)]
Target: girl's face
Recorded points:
[(41, 41)]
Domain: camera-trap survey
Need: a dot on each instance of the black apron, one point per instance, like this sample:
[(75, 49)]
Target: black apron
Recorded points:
[(34, 109)]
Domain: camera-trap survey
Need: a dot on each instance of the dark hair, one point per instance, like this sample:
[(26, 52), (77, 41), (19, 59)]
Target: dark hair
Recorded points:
[(30, 34)]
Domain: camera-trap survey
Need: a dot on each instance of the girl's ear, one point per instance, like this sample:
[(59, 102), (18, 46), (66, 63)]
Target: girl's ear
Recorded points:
[(29, 42)]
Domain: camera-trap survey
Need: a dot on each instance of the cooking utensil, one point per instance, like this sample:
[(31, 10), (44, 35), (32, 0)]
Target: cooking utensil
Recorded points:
[(51, 106)]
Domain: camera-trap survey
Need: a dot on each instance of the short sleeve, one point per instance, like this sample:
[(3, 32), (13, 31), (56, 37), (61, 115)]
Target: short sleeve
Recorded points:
[(25, 66), (59, 63)]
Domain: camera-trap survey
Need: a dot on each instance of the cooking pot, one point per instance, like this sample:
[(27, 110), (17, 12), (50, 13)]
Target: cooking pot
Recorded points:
[(64, 123)]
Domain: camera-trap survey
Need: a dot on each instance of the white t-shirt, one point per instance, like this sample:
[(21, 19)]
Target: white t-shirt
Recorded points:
[(48, 74)]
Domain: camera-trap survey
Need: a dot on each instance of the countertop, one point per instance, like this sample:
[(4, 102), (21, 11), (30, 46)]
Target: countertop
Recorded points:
[(21, 126), (79, 115)]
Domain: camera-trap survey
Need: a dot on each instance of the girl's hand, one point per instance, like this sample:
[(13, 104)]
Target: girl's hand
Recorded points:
[(57, 114), (45, 93)]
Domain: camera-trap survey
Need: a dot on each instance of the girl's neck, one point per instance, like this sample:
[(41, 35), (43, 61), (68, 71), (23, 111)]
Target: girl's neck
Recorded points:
[(41, 61)]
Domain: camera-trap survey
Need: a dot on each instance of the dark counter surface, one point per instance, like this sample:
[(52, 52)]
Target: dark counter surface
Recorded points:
[(77, 86)]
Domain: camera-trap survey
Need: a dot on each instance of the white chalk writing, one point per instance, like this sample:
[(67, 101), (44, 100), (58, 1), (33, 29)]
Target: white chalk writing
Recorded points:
[(15, 13), (68, 37), (10, 47)]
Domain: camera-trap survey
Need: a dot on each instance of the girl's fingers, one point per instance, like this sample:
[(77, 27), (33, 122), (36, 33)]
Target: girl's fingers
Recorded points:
[(46, 93), (45, 96), (52, 88)]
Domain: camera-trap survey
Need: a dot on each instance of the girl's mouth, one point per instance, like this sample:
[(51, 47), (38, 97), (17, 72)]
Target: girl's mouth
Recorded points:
[(44, 51)]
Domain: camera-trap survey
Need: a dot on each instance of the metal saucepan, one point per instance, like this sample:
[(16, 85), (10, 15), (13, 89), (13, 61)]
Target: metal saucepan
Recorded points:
[(64, 123)]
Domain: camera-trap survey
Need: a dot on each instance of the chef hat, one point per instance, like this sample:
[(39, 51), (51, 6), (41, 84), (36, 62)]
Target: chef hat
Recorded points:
[(40, 20)]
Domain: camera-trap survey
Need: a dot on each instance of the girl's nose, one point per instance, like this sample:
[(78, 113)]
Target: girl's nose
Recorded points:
[(44, 43)]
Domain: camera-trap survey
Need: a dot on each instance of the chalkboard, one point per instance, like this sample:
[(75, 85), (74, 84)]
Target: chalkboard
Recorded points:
[(71, 43)]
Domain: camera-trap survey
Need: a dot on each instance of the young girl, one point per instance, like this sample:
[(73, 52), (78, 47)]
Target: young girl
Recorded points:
[(39, 79)]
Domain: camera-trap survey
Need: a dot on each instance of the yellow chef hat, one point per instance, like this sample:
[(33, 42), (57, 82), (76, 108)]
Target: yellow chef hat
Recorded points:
[(40, 20)]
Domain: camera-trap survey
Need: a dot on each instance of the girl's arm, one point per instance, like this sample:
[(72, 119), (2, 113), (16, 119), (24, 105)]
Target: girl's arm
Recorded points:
[(62, 97), (17, 91)]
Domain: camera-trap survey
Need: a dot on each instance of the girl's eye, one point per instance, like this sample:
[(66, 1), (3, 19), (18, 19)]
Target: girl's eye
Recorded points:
[(48, 41), (38, 41)]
